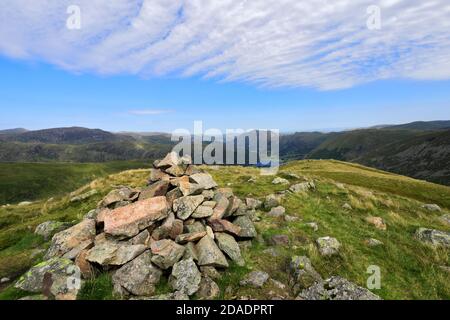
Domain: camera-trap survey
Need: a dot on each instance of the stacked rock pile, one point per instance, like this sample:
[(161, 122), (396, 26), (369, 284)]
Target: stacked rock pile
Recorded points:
[(181, 226)]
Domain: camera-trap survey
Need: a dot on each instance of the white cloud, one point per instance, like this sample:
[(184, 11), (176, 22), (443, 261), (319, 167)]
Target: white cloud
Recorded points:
[(323, 44), (149, 112)]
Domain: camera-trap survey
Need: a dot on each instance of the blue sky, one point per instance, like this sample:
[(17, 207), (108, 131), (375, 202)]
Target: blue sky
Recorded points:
[(144, 65), (37, 95)]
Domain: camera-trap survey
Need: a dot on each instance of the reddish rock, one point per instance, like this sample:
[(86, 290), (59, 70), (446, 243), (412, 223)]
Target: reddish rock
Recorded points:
[(220, 225), (221, 207), (128, 221), (190, 237), (177, 229), (158, 175)]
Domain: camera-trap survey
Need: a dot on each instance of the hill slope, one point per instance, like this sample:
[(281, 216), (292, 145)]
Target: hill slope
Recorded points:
[(409, 268)]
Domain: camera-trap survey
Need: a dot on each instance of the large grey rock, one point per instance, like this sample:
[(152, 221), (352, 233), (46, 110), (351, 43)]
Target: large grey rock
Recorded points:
[(328, 246), (111, 253), (185, 277), (209, 254), (76, 238), (302, 274), (52, 277), (272, 201), (277, 212), (184, 207), (302, 187), (204, 180), (231, 248), (49, 228), (138, 277), (247, 227), (166, 253), (279, 180), (255, 279), (432, 207), (171, 159), (118, 195), (433, 237), (337, 288)]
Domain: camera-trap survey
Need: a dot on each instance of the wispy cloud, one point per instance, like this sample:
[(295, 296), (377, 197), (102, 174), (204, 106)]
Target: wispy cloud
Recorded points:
[(322, 44), (149, 112)]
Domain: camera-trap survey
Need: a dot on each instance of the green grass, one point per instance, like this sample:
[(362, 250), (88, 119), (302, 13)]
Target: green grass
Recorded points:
[(410, 270), (31, 181)]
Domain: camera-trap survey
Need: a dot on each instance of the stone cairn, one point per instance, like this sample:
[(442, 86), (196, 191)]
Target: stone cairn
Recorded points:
[(181, 226)]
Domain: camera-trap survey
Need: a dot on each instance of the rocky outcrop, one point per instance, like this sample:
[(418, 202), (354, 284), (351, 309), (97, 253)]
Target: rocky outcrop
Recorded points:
[(433, 237), (179, 223)]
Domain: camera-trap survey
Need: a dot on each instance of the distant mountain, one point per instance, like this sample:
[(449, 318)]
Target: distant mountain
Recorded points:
[(13, 131), (77, 144), (420, 125), (73, 135), (418, 149)]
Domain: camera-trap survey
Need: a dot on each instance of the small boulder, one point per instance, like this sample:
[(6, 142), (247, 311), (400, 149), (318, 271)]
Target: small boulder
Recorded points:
[(272, 201), (49, 228), (313, 225), (255, 279), (337, 288), (75, 238), (203, 211), (279, 180), (52, 277), (138, 277), (111, 253), (328, 246), (185, 277), (373, 242), (247, 228), (190, 237), (209, 254), (346, 206), (231, 248), (156, 189), (302, 187), (253, 204), (225, 226), (432, 207), (277, 212), (208, 289), (433, 237), (204, 180), (302, 274), (184, 207), (166, 253)]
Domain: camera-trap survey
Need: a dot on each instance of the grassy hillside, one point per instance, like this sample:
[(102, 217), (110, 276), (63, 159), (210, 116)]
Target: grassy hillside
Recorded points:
[(31, 181), (410, 270)]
